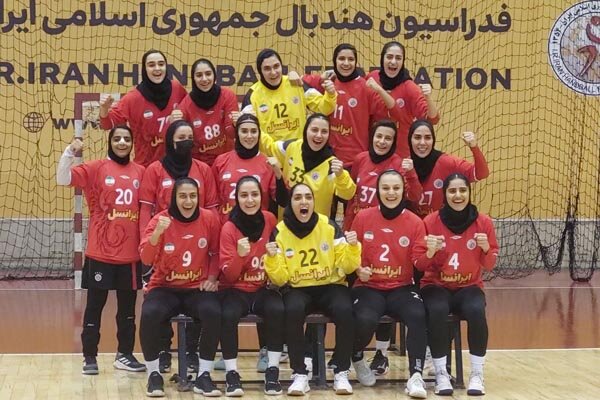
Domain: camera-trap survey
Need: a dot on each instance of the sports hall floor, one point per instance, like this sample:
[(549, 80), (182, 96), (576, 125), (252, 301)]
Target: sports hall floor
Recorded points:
[(544, 344)]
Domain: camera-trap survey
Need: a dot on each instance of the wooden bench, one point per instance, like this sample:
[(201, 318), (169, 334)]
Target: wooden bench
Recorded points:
[(319, 363)]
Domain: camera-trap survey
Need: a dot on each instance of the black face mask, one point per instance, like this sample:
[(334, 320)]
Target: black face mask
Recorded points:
[(178, 158), (184, 147)]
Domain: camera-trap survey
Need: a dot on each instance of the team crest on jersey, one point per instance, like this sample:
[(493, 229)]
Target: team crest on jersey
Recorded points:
[(289, 253), (196, 123), (295, 100), (404, 241), (352, 102), (136, 183), (324, 247), (167, 182), (438, 183), (169, 248), (368, 236), (148, 114), (471, 244), (315, 176), (400, 102), (226, 176), (263, 108), (98, 276), (109, 181), (202, 243)]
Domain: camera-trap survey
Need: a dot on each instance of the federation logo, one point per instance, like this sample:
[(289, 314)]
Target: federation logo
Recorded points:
[(315, 176), (98, 276), (368, 236), (400, 102), (263, 108), (289, 253), (167, 182), (197, 123), (202, 243), (109, 181), (169, 248), (471, 244), (438, 183), (352, 102), (136, 183), (324, 247), (226, 176), (148, 114), (574, 47), (404, 241), (295, 100)]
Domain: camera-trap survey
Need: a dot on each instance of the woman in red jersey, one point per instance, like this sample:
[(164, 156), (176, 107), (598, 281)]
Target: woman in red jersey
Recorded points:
[(380, 157), (462, 243), (245, 159), (208, 107), (392, 238), (244, 284), (112, 261), (411, 101), (146, 108), (182, 243), (432, 165)]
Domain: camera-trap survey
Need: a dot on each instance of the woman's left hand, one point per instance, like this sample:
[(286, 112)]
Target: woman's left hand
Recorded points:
[(482, 241), (210, 285)]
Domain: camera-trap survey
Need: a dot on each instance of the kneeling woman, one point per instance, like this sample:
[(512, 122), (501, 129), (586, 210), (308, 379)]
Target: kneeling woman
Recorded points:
[(385, 278), (309, 254), (182, 243), (462, 243), (243, 281)]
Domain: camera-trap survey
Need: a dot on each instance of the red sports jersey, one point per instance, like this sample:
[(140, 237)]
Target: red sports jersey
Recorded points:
[(460, 262), (365, 173), (349, 123), (147, 122), (410, 105), (186, 253), (432, 198), (157, 185), (111, 191), (229, 168), (244, 273), (214, 133), (390, 248)]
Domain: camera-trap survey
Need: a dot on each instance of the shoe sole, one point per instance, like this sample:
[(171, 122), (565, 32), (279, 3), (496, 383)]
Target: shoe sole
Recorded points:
[(473, 392), (156, 393), (444, 392), (421, 395), (121, 366), (343, 391), (92, 372), (214, 393), (273, 392), (236, 393)]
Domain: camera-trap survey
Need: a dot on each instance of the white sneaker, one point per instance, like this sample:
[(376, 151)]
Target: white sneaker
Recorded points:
[(475, 387), (365, 376), (415, 387), (428, 369), (300, 385), (309, 367), (341, 385), (443, 385)]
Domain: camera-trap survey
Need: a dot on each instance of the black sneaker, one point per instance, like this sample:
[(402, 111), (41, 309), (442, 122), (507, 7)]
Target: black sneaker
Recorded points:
[(380, 365), (205, 386), (192, 361), (233, 384), (272, 385), (164, 362), (128, 362), (90, 366), (156, 385)]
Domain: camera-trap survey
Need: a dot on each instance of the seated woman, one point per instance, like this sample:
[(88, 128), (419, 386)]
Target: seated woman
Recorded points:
[(462, 243), (309, 254), (385, 278), (182, 243), (244, 284)]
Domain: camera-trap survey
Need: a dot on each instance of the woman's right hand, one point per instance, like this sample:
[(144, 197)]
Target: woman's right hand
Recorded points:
[(364, 273), (272, 248), (162, 225)]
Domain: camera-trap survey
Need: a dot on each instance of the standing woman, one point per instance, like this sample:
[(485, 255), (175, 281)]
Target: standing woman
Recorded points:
[(311, 161), (433, 166), (368, 165), (462, 243), (208, 108), (411, 101), (393, 241), (146, 108), (243, 287), (182, 243), (112, 261), (309, 254), (245, 159)]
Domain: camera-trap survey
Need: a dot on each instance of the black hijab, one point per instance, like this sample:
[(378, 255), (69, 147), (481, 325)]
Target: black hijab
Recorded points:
[(423, 166), (391, 213), (250, 225), (156, 93), (241, 151), (205, 100), (174, 210), (298, 228), (377, 158), (262, 56), (177, 162), (403, 75), (311, 158), (336, 51), (457, 221), (111, 154)]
